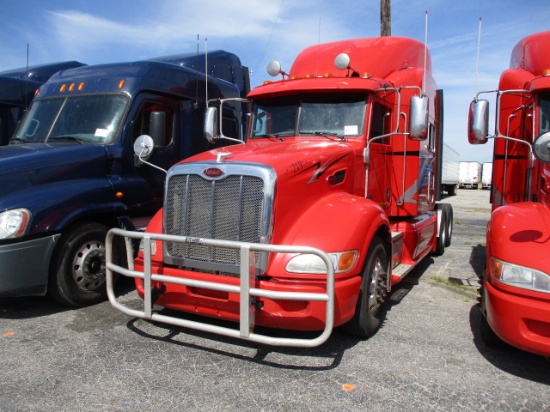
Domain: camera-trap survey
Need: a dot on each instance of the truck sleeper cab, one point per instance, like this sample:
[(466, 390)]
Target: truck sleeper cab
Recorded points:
[(17, 89), (515, 293), (326, 166), (69, 173)]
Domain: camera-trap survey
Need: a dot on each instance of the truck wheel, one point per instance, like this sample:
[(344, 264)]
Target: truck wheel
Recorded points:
[(368, 312), (441, 239), (448, 212), (78, 273)]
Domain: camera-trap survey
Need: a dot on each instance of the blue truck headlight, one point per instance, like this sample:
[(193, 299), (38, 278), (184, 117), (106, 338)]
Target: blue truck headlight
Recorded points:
[(308, 263), (13, 223), (519, 276)]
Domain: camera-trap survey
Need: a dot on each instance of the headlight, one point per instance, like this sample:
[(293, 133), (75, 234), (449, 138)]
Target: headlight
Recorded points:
[(308, 263), (519, 276), (13, 223)]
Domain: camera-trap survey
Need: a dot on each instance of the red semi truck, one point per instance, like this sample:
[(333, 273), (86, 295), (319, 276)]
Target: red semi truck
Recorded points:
[(309, 224), (515, 293)]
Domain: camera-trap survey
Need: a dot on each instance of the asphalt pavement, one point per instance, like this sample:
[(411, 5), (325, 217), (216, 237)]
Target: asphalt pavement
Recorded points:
[(427, 356)]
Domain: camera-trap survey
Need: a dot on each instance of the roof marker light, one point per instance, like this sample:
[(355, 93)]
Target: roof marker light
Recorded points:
[(63, 88), (546, 72), (71, 87), (121, 84), (81, 86)]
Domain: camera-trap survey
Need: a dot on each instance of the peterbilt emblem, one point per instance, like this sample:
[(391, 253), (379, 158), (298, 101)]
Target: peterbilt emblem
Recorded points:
[(213, 172)]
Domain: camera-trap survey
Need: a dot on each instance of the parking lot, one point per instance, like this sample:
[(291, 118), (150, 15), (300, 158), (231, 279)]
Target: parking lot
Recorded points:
[(426, 357)]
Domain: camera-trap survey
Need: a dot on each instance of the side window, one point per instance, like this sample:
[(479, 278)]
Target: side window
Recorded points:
[(544, 103), (230, 127), (6, 124), (155, 119), (380, 122)]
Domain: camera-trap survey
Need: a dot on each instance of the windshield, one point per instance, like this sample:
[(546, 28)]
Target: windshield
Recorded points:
[(544, 104), (328, 115), (83, 119)]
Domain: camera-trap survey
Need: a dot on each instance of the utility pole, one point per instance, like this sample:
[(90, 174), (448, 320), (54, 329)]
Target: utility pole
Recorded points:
[(385, 17)]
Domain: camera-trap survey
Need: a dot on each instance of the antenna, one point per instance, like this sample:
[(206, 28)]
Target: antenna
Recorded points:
[(477, 57), (28, 47), (26, 86), (197, 75), (206, 70), (425, 54)]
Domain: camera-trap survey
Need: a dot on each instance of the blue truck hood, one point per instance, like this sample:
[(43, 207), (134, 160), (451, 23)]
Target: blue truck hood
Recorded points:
[(30, 165)]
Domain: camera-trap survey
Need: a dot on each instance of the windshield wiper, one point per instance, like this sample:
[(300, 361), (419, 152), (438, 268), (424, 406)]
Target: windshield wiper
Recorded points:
[(71, 138), (18, 139), (328, 135), (270, 136)]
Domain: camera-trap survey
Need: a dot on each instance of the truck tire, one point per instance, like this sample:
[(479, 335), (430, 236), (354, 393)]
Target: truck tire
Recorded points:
[(448, 212), (77, 276), (445, 228), (368, 311)]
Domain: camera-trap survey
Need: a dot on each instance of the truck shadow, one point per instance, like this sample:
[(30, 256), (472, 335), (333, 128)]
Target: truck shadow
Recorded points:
[(324, 357), (477, 259), (37, 306), (509, 359), (29, 307)]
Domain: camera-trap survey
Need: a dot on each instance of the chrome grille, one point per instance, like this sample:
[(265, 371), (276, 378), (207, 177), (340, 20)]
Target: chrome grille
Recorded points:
[(226, 209)]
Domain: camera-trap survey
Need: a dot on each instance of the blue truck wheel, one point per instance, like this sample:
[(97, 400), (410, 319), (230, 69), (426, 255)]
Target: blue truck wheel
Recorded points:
[(78, 271)]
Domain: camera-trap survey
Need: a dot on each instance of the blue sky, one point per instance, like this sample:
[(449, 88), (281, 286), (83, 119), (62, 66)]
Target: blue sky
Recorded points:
[(103, 31)]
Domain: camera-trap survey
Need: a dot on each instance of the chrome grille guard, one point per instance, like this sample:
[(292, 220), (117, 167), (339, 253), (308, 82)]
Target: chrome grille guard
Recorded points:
[(246, 290)]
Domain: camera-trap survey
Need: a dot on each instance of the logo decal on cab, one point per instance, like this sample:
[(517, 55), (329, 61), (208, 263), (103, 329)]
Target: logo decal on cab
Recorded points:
[(213, 172)]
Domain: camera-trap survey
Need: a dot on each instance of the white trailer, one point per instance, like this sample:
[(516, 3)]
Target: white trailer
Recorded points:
[(469, 175), (450, 170), (486, 175)]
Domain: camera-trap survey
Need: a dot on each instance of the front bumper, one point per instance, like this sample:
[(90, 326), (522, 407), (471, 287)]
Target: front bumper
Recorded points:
[(520, 321), (24, 266), (246, 295), (301, 314)]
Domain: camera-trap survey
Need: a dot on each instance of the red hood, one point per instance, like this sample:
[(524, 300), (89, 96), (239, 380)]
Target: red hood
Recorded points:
[(290, 157), (308, 171), (521, 234)]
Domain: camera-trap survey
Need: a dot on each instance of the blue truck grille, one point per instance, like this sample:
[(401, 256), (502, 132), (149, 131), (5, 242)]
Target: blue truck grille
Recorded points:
[(227, 209)]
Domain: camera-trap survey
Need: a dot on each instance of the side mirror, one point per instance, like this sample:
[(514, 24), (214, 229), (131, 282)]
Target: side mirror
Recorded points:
[(211, 124), (274, 68), (157, 128), (342, 61), (478, 122), (418, 118), (143, 147), (542, 147)]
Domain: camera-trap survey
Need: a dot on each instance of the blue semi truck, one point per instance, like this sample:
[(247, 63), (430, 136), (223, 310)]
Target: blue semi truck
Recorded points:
[(70, 173), (17, 88)]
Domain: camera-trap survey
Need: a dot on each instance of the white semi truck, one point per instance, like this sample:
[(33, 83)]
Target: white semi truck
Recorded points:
[(449, 170), (486, 175), (469, 175)]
